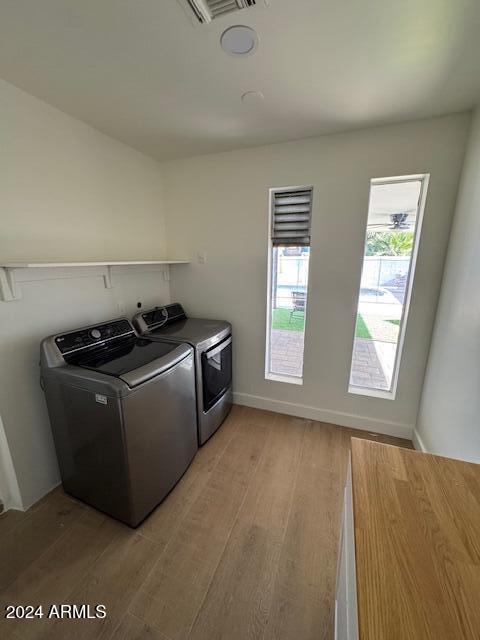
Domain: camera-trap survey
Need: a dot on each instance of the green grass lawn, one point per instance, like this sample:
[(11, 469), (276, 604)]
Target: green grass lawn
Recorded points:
[(281, 320), (377, 329), (361, 329)]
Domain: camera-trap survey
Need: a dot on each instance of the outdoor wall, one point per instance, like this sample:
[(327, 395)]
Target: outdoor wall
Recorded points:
[(448, 422), (218, 204), (69, 193)]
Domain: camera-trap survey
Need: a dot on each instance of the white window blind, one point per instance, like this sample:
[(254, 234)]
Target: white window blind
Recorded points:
[(291, 216), (219, 7)]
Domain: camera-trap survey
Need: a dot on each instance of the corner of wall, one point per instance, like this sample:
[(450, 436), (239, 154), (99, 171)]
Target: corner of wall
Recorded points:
[(418, 442), (448, 411), (9, 489)]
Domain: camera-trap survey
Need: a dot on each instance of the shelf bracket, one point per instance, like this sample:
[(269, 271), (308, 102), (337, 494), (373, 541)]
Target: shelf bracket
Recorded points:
[(108, 278), (9, 289)]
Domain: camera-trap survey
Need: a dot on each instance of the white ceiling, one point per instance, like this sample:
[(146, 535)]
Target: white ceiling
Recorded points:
[(142, 72)]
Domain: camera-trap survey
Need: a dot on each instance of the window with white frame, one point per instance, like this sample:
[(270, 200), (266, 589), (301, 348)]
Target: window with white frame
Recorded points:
[(392, 239), (289, 256)]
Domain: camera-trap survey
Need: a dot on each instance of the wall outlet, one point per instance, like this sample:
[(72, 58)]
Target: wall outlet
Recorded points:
[(202, 257), (121, 309)]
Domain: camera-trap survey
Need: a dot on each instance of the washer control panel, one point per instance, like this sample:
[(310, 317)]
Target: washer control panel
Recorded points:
[(164, 315), (91, 336)]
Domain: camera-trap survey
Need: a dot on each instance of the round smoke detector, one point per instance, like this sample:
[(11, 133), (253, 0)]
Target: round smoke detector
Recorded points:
[(239, 40)]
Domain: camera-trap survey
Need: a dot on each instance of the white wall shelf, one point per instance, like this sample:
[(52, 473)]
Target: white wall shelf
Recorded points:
[(9, 283), (109, 263)]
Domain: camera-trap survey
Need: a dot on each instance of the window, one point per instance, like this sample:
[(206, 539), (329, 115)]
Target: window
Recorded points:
[(393, 233), (289, 254)]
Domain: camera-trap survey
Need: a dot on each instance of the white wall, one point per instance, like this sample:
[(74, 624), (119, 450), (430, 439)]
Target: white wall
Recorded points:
[(449, 417), (219, 204), (67, 192)]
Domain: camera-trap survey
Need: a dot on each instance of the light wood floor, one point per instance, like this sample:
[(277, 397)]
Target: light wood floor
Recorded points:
[(245, 547)]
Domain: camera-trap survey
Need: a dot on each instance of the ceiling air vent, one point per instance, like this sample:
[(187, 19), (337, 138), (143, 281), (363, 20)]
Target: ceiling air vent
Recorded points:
[(207, 10)]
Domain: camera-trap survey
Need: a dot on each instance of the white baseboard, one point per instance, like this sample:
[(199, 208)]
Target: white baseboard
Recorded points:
[(418, 442), (325, 415)]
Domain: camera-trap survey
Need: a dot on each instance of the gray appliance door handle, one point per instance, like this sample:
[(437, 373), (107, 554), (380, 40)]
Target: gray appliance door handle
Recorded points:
[(213, 352), (156, 367)]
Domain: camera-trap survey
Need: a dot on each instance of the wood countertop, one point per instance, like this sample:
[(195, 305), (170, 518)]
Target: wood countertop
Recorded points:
[(417, 544)]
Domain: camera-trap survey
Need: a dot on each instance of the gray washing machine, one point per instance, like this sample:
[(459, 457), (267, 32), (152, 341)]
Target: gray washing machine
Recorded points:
[(123, 416), (212, 342)]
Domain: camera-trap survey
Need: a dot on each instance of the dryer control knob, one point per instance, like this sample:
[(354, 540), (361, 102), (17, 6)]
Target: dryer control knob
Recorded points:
[(95, 333)]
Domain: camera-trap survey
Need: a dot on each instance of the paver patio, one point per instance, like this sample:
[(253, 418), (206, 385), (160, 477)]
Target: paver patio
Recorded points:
[(286, 348), (371, 366)]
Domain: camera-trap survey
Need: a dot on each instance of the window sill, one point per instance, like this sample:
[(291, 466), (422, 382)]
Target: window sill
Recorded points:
[(372, 393), (279, 378)]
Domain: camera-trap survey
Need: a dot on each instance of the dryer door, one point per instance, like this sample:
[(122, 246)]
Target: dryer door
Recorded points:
[(216, 372)]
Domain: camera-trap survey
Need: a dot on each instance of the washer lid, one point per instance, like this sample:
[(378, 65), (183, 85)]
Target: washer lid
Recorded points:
[(127, 358), (192, 330)]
